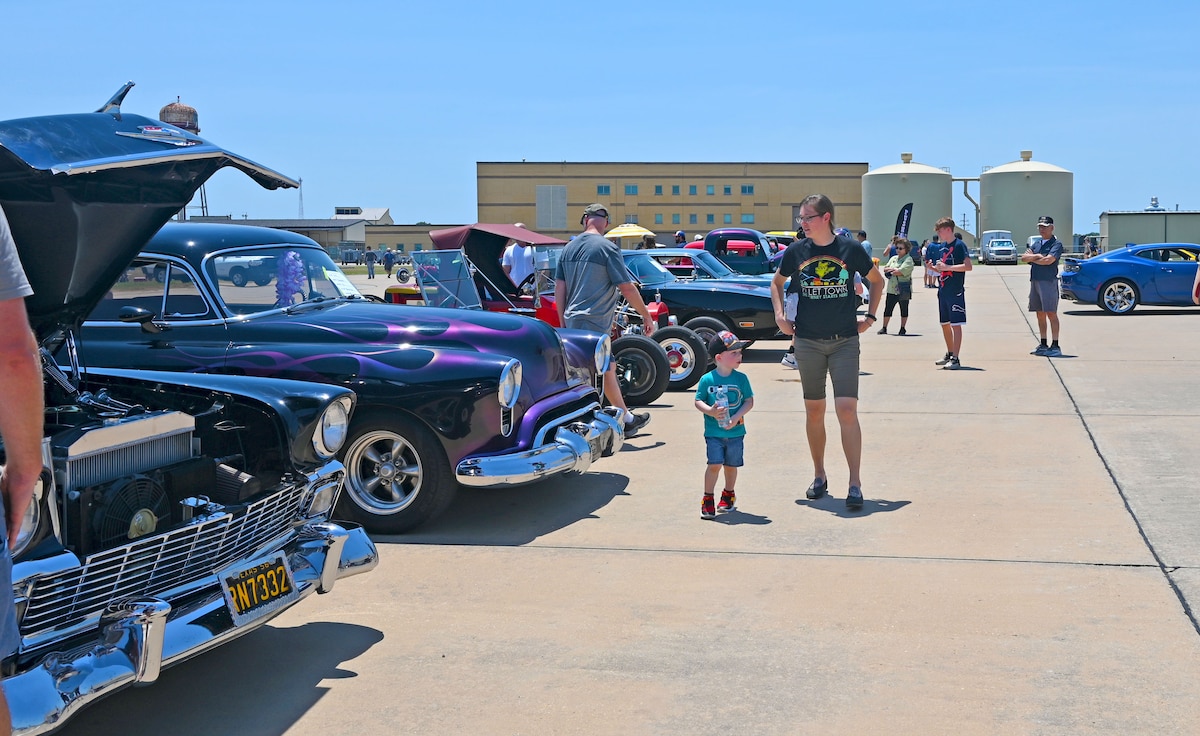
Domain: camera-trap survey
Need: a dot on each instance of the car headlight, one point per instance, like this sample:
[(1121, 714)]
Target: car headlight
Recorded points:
[(332, 428), (30, 521), (510, 384), (603, 354)]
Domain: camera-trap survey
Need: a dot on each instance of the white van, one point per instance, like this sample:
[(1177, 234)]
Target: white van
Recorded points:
[(996, 246)]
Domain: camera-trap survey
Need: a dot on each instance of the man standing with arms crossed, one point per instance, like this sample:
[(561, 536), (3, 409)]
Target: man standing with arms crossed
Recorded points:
[(20, 426), (825, 330), (1043, 285), (590, 279)]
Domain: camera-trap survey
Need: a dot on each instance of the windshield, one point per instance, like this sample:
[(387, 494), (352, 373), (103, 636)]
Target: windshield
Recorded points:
[(254, 280), (647, 270), (712, 266), (445, 279)]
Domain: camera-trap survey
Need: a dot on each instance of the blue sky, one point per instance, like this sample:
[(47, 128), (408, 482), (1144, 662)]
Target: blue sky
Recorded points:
[(390, 104)]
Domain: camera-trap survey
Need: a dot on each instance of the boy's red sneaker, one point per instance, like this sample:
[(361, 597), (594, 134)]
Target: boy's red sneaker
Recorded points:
[(727, 501), (707, 510)]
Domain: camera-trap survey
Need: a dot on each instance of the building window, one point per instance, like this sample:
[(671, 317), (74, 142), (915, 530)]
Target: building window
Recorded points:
[(747, 189), (692, 189), (658, 189), (631, 219), (658, 219), (631, 188), (728, 219), (748, 219), (400, 247), (710, 219), (710, 190), (417, 246), (603, 190), (675, 189), (675, 219), (728, 190), (692, 219)]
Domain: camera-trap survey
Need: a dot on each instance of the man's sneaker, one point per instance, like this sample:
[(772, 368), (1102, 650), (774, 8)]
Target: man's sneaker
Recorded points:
[(952, 364), (789, 360), (945, 359), (817, 489), (854, 499), (728, 499), (882, 331), (1053, 352), (902, 331), (639, 421), (1040, 350), (707, 510)]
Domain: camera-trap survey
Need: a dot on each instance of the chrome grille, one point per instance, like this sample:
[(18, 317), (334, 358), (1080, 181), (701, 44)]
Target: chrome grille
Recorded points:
[(153, 565)]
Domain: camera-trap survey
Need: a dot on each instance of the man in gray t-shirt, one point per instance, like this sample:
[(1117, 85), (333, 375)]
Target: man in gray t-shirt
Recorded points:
[(590, 279), (20, 426)]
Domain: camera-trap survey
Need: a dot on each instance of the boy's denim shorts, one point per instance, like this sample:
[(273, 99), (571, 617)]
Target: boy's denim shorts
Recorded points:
[(725, 450)]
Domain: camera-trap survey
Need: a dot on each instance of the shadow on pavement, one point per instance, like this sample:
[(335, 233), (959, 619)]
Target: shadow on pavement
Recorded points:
[(737, 516), (212, 694), (1139, 312), (837, 506), (516, 516)]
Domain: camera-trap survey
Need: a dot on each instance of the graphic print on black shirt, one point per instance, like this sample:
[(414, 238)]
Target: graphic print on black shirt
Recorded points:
[(823, 276)]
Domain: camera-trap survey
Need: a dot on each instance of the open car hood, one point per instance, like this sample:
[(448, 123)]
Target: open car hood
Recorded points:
[(85, 192)]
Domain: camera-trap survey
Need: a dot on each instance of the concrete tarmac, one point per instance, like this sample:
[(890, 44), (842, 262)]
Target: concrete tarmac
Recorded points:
[(1024, 564)]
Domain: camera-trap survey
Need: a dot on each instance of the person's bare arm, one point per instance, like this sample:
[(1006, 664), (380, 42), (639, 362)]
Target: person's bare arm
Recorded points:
[(781, 320), (560, 300), (21, 411)]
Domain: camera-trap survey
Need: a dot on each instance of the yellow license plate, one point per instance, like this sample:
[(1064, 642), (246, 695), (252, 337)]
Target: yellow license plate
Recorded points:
[(258, 588)]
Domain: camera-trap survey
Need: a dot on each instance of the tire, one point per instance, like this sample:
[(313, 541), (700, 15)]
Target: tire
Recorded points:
[(706, 327), (642, 369), (388, 496), (687, 356), (1119, 297), (238, 277), (262, 279), (403, 275)]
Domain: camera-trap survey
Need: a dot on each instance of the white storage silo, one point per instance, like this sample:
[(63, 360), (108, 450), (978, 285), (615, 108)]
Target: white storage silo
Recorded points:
[(1013, 196), (886, 189)]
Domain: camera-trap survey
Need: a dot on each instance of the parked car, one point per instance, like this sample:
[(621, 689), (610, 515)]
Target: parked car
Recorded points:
[(1159, 274), (175, 512), (996, 246), (700, 265), (465, 273), (744, 250), (705, 306), (446, 397), (351, 256)]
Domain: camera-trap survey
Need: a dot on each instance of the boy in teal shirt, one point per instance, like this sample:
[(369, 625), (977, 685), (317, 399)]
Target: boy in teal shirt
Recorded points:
[(724, 427)]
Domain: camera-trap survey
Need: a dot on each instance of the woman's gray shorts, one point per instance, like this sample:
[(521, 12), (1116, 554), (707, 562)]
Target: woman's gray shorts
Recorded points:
[(1043, 296), (836, 357)]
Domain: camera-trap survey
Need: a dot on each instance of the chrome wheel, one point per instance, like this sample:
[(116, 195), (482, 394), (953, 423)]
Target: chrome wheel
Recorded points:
[(383, 472), (1119, 297)]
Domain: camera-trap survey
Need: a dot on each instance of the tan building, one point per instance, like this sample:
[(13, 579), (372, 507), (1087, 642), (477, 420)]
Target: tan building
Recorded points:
[(1148, 226), (665, 197)]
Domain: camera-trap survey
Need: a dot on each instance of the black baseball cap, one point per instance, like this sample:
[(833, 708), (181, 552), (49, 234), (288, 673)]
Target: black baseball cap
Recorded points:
[(1045, 220), (724, 340)]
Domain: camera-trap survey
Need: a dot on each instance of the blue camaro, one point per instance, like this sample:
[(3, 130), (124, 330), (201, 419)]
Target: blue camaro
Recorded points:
[(1159, 274)]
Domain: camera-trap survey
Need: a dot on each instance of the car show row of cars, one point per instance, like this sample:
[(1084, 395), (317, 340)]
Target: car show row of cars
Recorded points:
[(228, 418)]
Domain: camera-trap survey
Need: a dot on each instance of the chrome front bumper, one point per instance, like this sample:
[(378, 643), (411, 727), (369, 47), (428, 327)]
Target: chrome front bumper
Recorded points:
[(137, 638), (572, 450)]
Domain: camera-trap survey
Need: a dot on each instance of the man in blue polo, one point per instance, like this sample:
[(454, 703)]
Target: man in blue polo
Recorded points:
[(1042, 257)]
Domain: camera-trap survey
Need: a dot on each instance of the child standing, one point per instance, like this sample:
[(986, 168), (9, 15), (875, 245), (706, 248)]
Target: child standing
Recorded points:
[(724, 428)]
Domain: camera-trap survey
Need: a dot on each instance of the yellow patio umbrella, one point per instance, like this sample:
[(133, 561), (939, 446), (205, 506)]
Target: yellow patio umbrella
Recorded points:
[(628, 230)]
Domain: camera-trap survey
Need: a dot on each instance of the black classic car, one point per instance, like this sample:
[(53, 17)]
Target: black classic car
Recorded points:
[(445, 396), (174, 512), (705, 306)]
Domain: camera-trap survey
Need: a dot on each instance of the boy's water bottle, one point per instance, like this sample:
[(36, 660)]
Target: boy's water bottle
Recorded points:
[(722, 396)]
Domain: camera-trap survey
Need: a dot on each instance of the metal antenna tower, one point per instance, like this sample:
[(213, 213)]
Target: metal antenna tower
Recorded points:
[(301, 188)]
